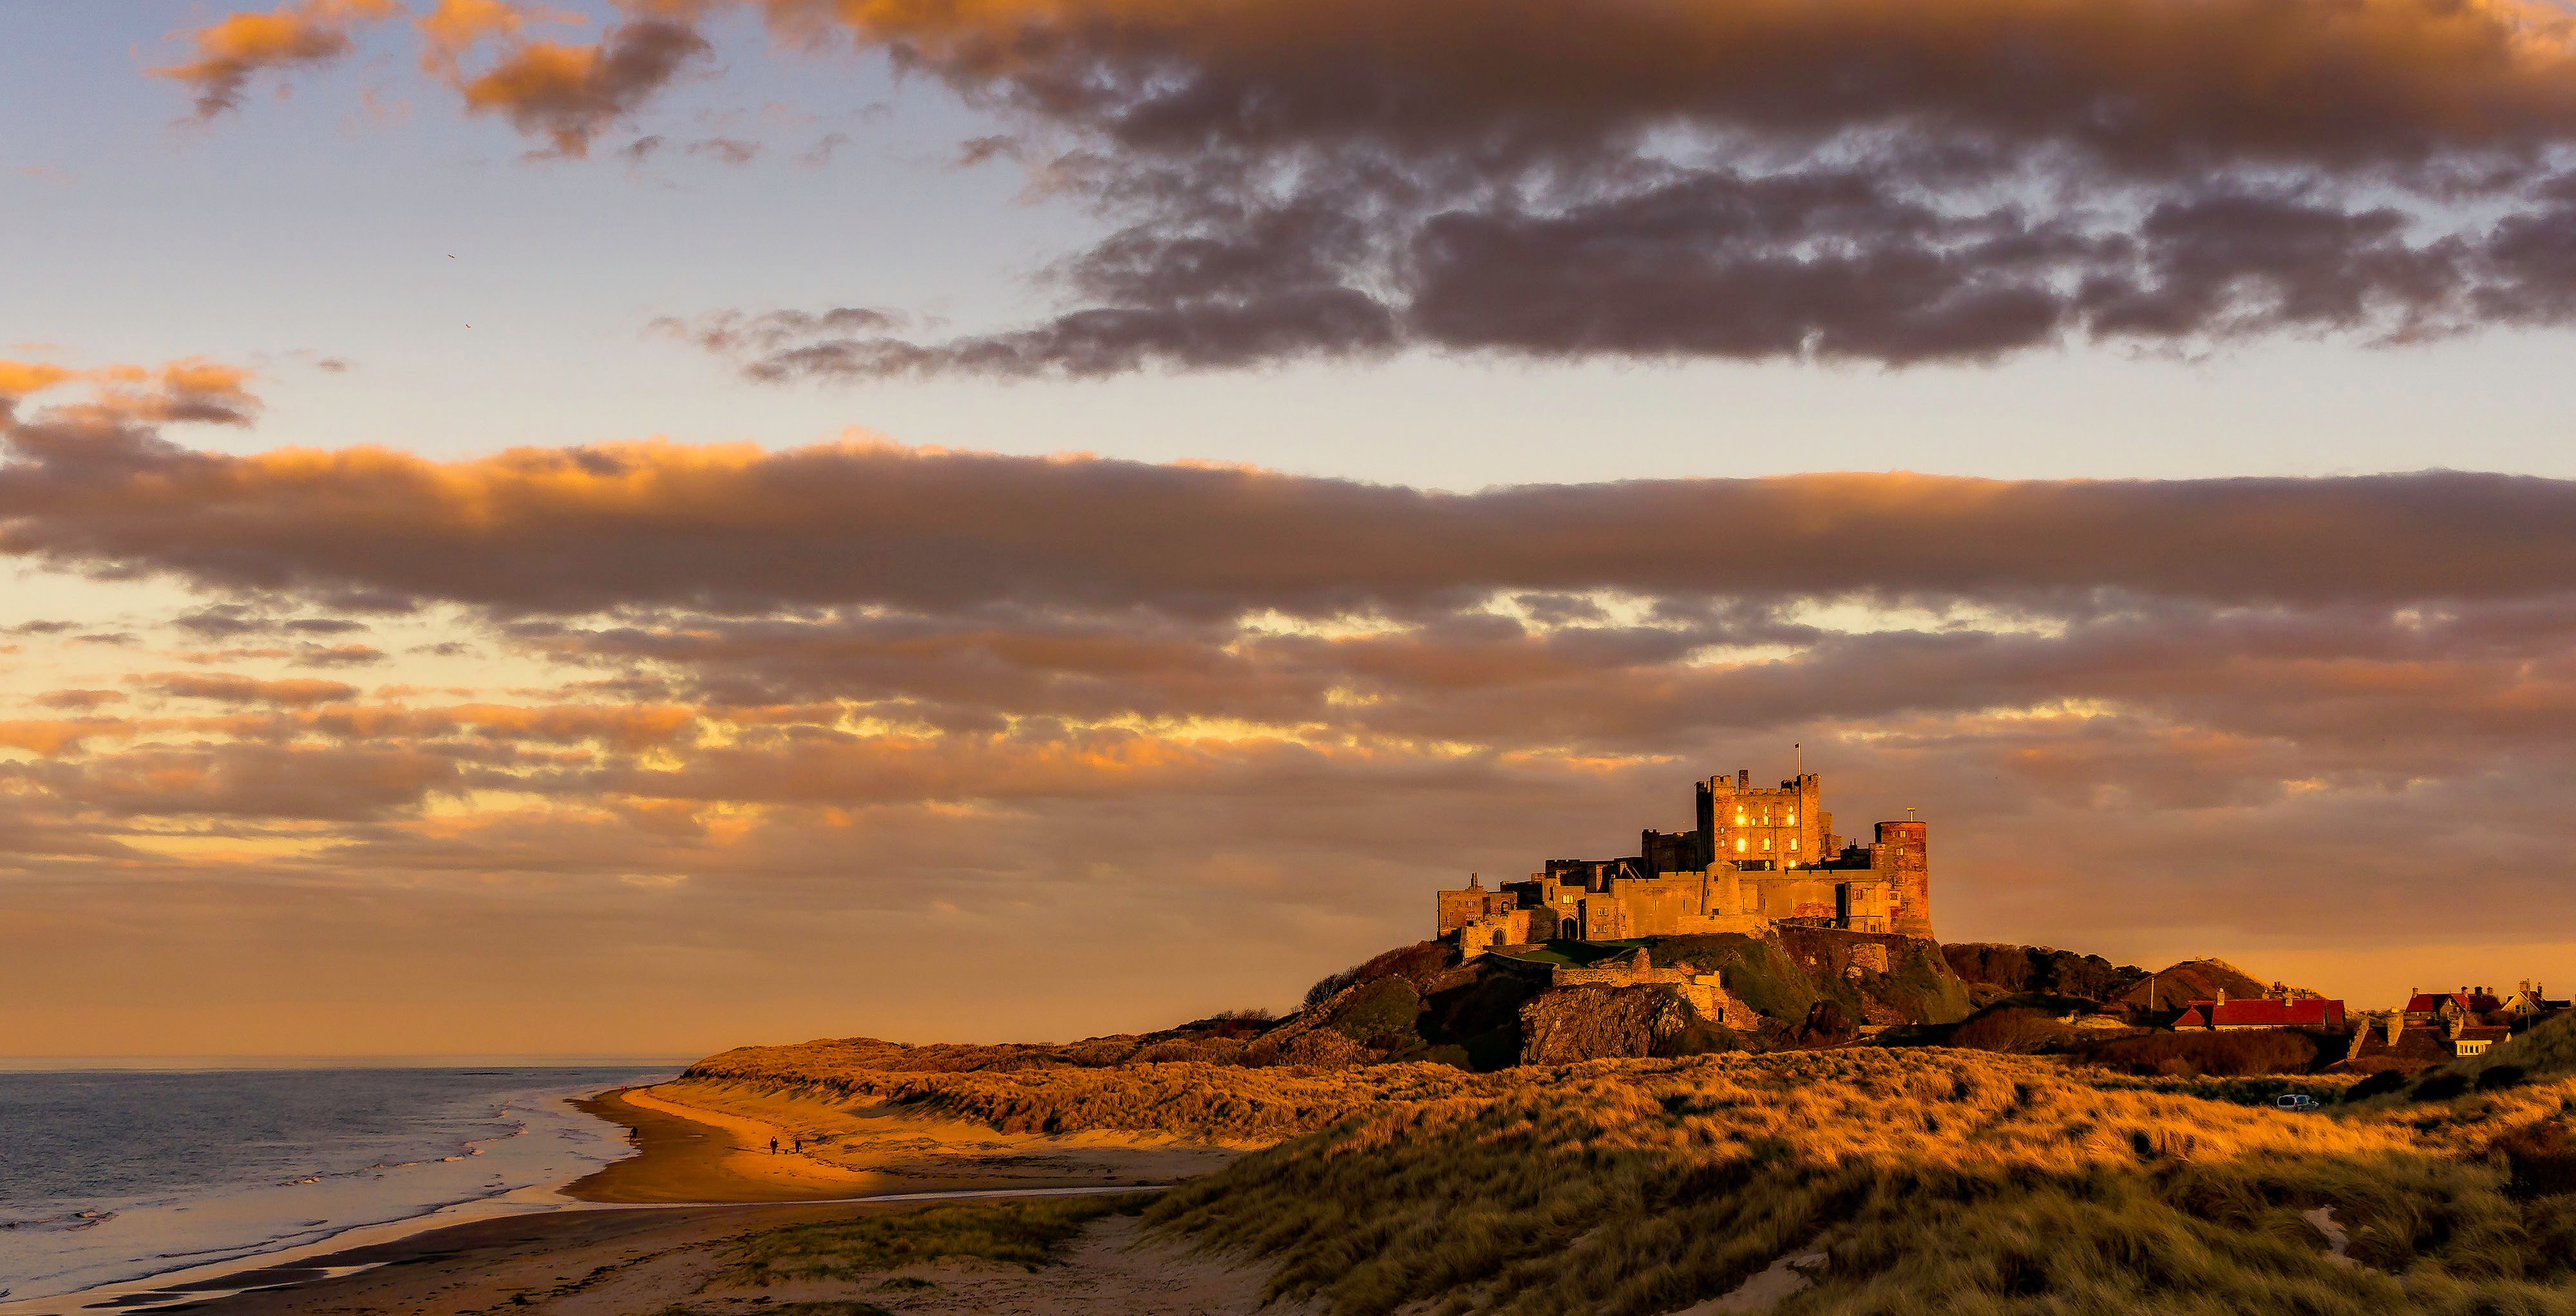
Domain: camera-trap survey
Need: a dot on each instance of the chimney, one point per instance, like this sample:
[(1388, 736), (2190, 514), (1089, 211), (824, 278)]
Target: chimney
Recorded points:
[(2222, 996)]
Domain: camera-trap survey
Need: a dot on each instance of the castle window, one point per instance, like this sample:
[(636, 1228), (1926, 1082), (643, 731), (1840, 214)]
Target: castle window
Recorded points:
[(1739, 843), (1766, 843), (1791, 821)]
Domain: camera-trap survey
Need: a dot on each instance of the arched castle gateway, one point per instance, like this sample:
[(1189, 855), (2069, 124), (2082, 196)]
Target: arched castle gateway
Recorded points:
[(1759, 858)]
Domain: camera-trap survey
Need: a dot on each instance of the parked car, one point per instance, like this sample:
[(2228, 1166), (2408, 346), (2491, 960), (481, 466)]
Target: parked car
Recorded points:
[(2295, 1101)]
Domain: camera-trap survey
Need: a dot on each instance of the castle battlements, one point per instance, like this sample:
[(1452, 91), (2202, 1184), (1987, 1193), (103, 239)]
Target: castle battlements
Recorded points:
[(1758, 858)]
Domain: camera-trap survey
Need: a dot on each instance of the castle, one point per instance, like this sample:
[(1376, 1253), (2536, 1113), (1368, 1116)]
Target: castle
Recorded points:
[(1758, 858)]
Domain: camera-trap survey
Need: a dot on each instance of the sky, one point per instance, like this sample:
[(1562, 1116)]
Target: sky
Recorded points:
[(642, 527)]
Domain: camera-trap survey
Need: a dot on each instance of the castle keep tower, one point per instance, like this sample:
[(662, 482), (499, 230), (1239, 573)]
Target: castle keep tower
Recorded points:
[(1759, 857), (1753, 827)]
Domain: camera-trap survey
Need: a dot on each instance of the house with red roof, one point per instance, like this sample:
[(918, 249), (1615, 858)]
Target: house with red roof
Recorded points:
[(2223, 1015), (2449, 1007)]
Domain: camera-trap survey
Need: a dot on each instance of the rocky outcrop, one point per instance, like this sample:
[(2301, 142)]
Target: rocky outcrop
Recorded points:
[(1567, 1024)]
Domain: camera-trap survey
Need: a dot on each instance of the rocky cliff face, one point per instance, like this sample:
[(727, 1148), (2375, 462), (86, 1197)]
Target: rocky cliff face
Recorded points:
[(1566, 1024), (1804, 987)]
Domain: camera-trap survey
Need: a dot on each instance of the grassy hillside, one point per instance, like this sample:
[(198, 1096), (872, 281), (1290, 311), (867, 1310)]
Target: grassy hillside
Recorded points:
[(1932, 1181), (1929, 1179), (1194, 1099), (1422, 1003), (2192, 980)]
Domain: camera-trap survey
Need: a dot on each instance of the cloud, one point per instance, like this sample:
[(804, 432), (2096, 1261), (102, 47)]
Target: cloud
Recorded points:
[(1951, 182), (742, 530), (79, 701), (953, 698), (337, 655), (234, 49), (451, 31), (569, 94), (346, 784), (227, 687), (726, 150), (733, 331)]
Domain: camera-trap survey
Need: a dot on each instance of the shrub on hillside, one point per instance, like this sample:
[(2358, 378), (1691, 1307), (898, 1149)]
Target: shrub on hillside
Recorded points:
[(2500, 1076), (2256, 1051), (1028, 1234), (2014, 969), (2377, 1085), (2441, 1085), (1331, 985), (2542, 1158), (2011, 1029)]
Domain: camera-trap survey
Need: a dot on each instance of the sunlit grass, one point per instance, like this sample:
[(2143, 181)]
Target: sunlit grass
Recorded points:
[(1029, 1234), (1933, 1180)]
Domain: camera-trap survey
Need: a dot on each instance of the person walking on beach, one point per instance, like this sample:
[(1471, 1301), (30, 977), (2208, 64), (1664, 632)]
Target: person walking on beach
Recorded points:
[(773, 1146)]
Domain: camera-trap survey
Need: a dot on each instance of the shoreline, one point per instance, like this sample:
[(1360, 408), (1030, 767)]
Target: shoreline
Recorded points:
[(529, 1199), (696, 1176)]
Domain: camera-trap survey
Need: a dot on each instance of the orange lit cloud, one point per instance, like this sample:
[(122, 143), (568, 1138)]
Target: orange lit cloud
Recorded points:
[(454, 28), (737, 529), (232, 50), (569, 93)]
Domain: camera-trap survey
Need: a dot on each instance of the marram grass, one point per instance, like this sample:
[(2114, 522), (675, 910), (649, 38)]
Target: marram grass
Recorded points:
[(1935, 1181), (1932, 1180)]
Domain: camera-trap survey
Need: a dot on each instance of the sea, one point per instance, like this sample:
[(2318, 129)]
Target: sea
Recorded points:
[(112, 1175)]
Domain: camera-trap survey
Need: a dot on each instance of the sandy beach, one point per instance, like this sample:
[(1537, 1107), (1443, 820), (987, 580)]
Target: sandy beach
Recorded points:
[(709, 1142), (706, 1149)]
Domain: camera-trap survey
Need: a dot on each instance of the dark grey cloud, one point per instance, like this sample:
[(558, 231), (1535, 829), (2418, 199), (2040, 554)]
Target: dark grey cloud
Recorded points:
[(1953, 183)]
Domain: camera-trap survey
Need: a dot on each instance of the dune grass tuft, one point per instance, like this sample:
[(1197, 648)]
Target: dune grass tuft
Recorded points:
[(1029, 1233)]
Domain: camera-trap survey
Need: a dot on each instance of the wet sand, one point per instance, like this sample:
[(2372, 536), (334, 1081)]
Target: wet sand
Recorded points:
[(648, 1262), (508, 1262)]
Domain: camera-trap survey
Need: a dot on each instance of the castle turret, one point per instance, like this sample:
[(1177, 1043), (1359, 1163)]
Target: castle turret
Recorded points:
[(1903, 853)]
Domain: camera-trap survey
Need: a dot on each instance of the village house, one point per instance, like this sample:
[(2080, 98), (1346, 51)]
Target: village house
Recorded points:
[(2448, 1007), (2286, 1009), (2472, 1019), (2475, 1039)]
